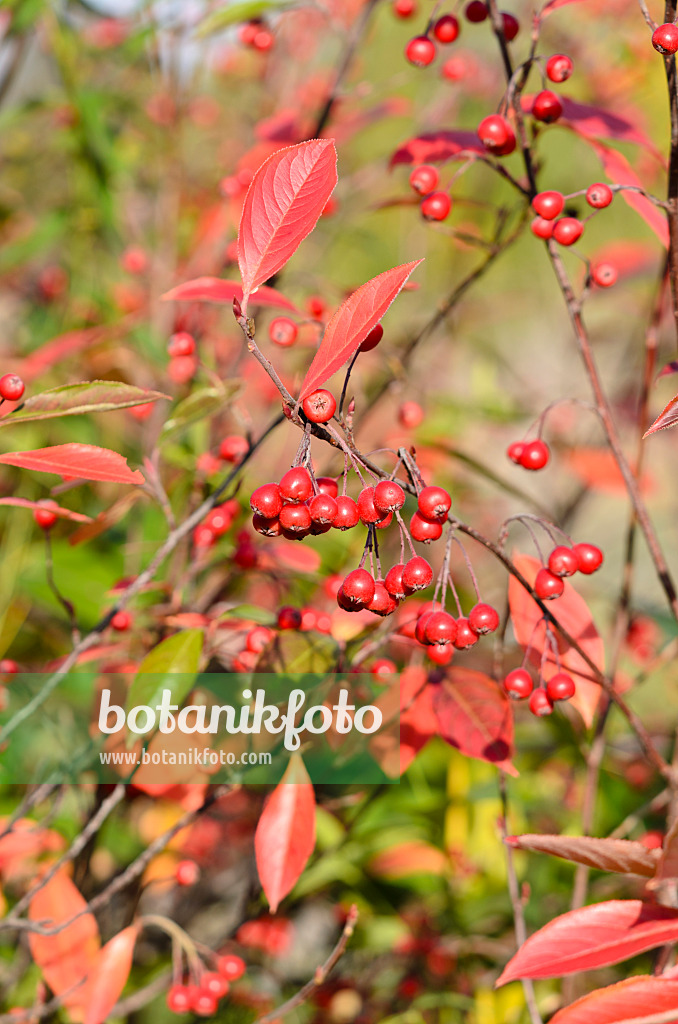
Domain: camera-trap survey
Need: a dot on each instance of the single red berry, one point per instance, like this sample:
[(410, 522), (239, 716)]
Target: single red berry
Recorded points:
[(231, 966), (534, 455), (440, 628), (121, 621), (604, 275), (665, 39), (11, 387), (465, 637), (258, 638), (383, 667), (599, 195), (440, 655), (589, 558), (420, 627), (359, 587), (220, 519), (436, 206), (234, 448), (316, 307), (266, 501), (367, 510), (213, 983), (483, 618), (404, 8), (181, 344), (420, 51), (323, 508), (454, 69), (245, 555), (563, 561), (296, 485), (434, 502), (511, 26), (446, 28), (410, 415), (424, 179), (559, 68), (518, 684), (327, 485), (288, 618), (547, 585), (372, 339), (320, 406), (345, 604), (181, 369), (425, 530), (263, 40), (283, 331), (266, 527), (204, 1003), (560, 686), (515, 451), (295, 519), (8, 666), (568, 230), (548, 205), (204, 537), (542, 228), (394, 582), (347, 513), (388, 496), (497, 135), (540, 703), (547, 107), (187, 872), (475, 12), (382, 603), (44, 517), (179, 999), (384, 523), (417, 574)]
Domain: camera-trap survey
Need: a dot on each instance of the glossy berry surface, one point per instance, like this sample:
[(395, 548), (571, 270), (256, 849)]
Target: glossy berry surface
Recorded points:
[(465, 637), (204, 1003), (372, 339), (476, 11), (561, 686), (436, 206), (547, 585), (187, 872), (604, 275), (417, 574), (267, 501), (434, 502), (322, 508), (420, 51), (568, 230), (404, 8), (497, 135), (440, 628), (535, 455), (542, 228), (11, 387), (382, 602), (233, 448), (563, 561), (424, 179), (295, 519), (518, 684), (547, 107), (358, 587), (121, 621), (599, 195), (181, 344), (231, 966), (559, 67), (394, 582), (320, 406), (44, 517), (288, 618), (665, 39), (589, 558), (511, 26), (515, 451), (327, 485), (347, 513), (548, 205), (425, 530), (283, 331), (296, 485), (215, 984), (388, 496), (483, 618), (446, 28), (540, 703), (179, 999), (367, 510)]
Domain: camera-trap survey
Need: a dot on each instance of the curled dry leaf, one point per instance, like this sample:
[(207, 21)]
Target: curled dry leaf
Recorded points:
[(620, 855)]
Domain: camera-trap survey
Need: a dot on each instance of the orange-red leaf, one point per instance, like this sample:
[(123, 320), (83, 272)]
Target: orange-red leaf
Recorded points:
[(354, 319), (437, 147), (622, 855), (82, 461), (618, 170), (630, 1000), (285, 835), (215, 289), (109, 975), (475, 716), (63, 513)]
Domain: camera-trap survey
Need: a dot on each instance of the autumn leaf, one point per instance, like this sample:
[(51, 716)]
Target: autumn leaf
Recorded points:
[(215, 289), (631, 1000), (82, 461), (63, 513), (668, 417), (622, 855), (475, 716), (109, 975), (619, 170), (77, 399)]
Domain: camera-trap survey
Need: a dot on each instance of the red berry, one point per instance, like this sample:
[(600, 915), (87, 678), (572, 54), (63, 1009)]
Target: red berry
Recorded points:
[(394, 582), (559, 68), (518, 684), (454, 69), (589, 558), (266, 501), (434, 502), (220, 519), (258, 638), (44, 516), (404, 8), (563, 561), (121, 621), (440, 655), (295, 519), (231, 966), (548, 204), (283, 331), (8, 666), (296, 485), (382, 603), (599, 195), (476, 11), (187, 872), (179, 999), (266, 527), (182, 369), (367, 510), (547, 107), (436, 206), (420, 51), (515, 451), (320, 406), (420, 627), (465, 635), (248, 31), (181, 344), (547, 585), (372, 339), (604, 275), (541, 228), (511, 26), (568, 230), (316, 307), (204, 1003), (425, 530), (245, 555), (234, 448), (540, 703), (358, 588), (213, 983), (327, 485), (263, 40), (665, 39), (383, 667), (384, 523), (204, 537), (11, 387), (322, 508), (417, 574), (497, 135), (388, 496), (446, 29), (288, 618), (535, 455), (440, 628), (483, 618), (347, 513), (560, 686), (410, 415), (424, 179)]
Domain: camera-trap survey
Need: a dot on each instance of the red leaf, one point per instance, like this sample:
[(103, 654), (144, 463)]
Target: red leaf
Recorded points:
[(354, 319), (553, 5), (572, 612), (285, 835), (620, 855), (82, 461), (60, 348), (668, 417), (668, 370), (67, 957), (409, 721), (109, 975), (618, 170), (591, 937), (63, 513), (593, 122), (598, 469), (282, 206), (216, 289), (475, 716), (629, 1000), (437, 147)]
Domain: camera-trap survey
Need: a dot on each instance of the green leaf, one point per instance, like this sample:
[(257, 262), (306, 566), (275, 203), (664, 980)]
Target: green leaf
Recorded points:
[(76, 399), (172, 665), (198, 405), (241, 10), (250, 612)]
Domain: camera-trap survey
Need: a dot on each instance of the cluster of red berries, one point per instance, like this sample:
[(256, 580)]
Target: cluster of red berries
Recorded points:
[(11, 387), (203, 998), (562, 562), (518, 685), (532, 455), (567, 230), (306, 620), (435, 205), (256, 35), (442, 634), (421, 50), (181, 350)]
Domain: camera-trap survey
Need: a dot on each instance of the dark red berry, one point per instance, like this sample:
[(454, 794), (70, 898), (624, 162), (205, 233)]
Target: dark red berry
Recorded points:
[(359, 587), (604, 275), (215, 984), (179, 999), (465, 636), (483, 618), (547, 107), (322, 508), (265, 526), (420, 51), (295, 519), (11, 387), (288, 618), (181, 344), (534, 455), (540, 703), (231, 966), (320, 406), (446, 28), (518, 684), (372, 339), (394, 582), (283, 331), (542, 228), (515, 451), (266, 501), (367, 510), (382, 603), (497, 135), (388, 496), (441, 628), (425, 530), (475, 12), (417, 574), (563, 561), (44, 517), (548, 586), (424, 179), (296, 485), (434, 502), (121, 621), (568, 230), (589, 558), (560, 686), (234, 448), (347, 513), (559, 68), (599, 195), (436, 206), (327, 485), (548, 205), (510, 25), (665, 39)]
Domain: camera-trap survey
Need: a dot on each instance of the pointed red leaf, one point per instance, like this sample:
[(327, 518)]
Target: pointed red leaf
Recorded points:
[(437, 147), (216, 289), (553, 5), (109, 975), (63, 513), (475, 716), (82, 461), (668, 417), (669, 369), (631, 1000), (591, 937), (571, 610), (596, 122), (619, 170), (354, 319), (622, 855), (285, 835), (282, 206)]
